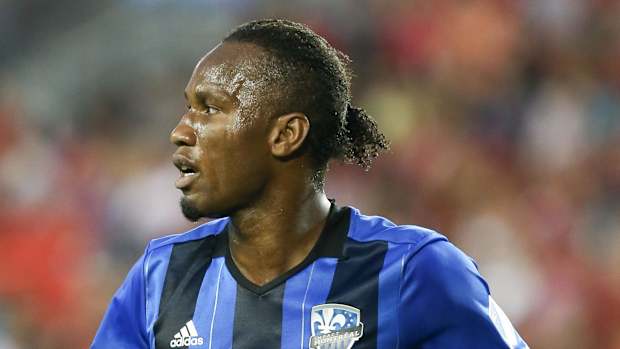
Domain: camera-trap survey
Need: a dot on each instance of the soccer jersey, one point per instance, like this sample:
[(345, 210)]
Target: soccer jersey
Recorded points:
[(367, 283)]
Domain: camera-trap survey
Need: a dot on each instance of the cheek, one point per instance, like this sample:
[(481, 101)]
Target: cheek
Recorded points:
[(233, 159), (201, 130), (246, 118)]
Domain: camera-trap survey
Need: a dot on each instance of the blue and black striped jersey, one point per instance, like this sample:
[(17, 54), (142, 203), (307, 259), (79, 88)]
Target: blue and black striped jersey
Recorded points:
[(367, 283)]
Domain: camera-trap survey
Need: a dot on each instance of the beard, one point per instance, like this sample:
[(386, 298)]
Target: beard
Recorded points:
[(190, 211)]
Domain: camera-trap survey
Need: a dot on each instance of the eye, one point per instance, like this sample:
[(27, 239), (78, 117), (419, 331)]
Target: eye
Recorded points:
[(209, 109)]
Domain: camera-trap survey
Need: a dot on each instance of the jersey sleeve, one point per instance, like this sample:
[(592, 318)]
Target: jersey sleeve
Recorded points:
[(445, 303), (123, 325)]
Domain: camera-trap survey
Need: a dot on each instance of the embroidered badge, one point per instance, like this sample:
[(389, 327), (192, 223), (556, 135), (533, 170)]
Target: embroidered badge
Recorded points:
[(335, 326)]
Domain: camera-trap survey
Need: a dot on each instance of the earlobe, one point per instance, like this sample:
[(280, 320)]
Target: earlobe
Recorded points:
[(288, 134)]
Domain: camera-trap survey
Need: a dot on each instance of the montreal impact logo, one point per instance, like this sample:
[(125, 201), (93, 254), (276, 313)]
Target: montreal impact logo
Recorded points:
[(335, 326)]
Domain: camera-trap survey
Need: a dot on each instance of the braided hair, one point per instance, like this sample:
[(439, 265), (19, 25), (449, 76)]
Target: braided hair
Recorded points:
[(316, 80)]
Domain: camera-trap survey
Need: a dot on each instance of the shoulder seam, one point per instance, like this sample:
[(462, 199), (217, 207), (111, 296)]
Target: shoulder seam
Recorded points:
[(433, 238), (415, 243), (385, 230), (415, 246)]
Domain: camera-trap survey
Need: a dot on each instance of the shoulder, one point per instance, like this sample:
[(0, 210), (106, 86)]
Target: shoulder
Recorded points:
[(443, 269), (365, 228), (447, 301), (211, 228), (428, 256)]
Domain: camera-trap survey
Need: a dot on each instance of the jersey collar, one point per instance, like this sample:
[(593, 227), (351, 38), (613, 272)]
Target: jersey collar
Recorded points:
[(330, 245)]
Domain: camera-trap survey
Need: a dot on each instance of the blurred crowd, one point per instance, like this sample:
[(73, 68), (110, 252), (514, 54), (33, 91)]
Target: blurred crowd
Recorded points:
[(504, 118)]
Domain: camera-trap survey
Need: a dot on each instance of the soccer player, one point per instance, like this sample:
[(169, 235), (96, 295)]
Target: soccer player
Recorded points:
[(282, 266)]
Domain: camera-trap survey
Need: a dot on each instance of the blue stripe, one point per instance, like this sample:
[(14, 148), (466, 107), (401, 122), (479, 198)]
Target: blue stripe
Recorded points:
[(155, 267), (216, 301), (294, 291), (222, 333), (303, 291), (389, 296)]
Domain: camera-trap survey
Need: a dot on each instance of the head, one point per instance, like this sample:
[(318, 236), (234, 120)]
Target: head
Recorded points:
[(271, 101)]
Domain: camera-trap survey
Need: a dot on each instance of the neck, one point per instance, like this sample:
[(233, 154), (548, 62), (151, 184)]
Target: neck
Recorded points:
[(276, 234)]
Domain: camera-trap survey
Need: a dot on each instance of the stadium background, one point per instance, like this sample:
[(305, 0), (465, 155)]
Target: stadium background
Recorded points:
[(504, 118)]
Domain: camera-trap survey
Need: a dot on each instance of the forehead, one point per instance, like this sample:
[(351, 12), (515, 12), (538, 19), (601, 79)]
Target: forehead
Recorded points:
[(227, 52), (228, 66)]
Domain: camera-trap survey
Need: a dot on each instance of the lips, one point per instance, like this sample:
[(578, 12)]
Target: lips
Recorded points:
[(189, 171)]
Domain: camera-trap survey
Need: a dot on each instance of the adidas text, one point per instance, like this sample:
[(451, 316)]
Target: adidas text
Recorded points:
[(186, 342)]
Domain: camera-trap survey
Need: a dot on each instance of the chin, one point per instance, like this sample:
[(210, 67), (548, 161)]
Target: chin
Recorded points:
[(194, 211), (190, 210)]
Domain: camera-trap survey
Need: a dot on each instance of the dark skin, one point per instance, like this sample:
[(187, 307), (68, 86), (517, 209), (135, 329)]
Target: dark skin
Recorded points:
[(242, 160)]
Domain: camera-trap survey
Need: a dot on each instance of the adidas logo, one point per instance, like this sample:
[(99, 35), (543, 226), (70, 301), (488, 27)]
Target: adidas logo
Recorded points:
[(187, 336)]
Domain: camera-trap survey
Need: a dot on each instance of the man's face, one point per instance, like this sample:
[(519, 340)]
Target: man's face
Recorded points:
[(222, 153)]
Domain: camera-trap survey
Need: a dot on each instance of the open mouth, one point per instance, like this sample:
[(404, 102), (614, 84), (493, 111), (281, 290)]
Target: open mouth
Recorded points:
[(188, 171)]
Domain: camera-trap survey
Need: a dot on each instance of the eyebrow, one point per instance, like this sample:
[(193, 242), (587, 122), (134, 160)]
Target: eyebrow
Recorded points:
[(209, 92), (202, 92)]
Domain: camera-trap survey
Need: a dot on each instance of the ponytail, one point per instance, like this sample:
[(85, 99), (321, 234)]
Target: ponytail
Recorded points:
[(363, 141)]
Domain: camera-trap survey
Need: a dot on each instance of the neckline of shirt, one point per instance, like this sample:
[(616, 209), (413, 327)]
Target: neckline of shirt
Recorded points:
[(330, 245)]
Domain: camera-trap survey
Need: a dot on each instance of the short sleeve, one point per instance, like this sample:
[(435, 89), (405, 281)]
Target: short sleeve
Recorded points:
[(123, 325), (445, 303)]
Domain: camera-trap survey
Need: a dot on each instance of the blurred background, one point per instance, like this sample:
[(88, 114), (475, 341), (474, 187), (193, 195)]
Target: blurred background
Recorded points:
[(504, 118)]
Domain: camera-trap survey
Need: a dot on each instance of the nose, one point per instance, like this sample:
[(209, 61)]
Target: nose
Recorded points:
[(183, 134)]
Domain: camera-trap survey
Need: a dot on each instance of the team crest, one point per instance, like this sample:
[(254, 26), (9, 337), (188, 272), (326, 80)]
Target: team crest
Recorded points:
[(335, 326)]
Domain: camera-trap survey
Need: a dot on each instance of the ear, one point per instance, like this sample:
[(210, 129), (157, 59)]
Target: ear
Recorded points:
[(288, 133)]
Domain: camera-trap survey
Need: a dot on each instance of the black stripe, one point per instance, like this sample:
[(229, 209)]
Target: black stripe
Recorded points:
[(356, 283), (186, 269), (258, 319), (331, 242)]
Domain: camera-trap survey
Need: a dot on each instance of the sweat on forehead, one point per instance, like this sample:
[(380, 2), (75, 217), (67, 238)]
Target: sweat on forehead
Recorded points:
[(244, 71)]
